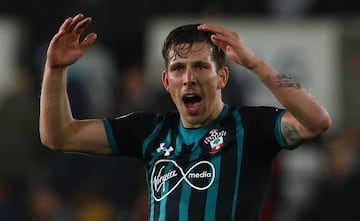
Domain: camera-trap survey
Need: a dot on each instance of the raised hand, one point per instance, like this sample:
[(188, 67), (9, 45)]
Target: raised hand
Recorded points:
[(66, 47), (231, 43)]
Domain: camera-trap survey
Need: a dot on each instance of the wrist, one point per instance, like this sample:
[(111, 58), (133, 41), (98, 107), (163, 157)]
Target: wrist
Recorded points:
[(57, 68), (264, 70), (256, 65)]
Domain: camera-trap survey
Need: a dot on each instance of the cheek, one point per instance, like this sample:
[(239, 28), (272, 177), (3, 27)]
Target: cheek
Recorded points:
[(211, 89), (173, 86), (212, 92), (173, 79), (214, 83)]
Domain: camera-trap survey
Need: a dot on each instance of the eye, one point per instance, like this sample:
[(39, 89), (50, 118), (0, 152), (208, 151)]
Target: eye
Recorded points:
[(177, 68), (201, 66)]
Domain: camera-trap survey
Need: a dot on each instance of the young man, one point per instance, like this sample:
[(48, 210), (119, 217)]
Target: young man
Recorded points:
[(207, 161)]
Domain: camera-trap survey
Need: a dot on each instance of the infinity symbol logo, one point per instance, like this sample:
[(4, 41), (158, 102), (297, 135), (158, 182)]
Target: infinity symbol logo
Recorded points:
[(200, 176)]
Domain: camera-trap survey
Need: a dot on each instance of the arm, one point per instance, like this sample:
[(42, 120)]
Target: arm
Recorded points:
[(305, 117), (58, 129)]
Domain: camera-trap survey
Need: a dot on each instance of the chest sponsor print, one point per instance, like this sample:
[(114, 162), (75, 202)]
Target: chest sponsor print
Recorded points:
[(167, 175)]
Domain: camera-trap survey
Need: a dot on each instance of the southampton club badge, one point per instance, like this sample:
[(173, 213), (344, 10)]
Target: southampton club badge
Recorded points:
[(215, 139)]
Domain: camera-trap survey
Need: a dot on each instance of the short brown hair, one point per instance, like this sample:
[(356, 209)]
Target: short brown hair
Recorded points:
[(189, 34)]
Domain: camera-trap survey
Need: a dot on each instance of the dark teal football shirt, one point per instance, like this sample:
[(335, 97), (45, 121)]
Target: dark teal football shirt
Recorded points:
[(217, 172)]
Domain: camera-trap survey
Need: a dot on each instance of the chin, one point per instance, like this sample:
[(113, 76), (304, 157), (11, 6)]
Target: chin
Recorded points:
[(194, 121)]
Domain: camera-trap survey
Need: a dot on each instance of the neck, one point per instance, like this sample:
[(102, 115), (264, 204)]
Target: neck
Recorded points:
[(215, 113)]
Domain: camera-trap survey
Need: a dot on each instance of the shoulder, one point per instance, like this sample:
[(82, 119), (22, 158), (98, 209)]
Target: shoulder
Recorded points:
[(147, 118), (264, 121), (260, 110), (260, 116)]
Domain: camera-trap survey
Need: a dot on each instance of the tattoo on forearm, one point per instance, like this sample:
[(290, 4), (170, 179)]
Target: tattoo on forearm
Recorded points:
[(291, 134), (283, 80)]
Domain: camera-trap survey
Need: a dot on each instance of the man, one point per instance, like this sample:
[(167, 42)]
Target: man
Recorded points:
[(208, 161)]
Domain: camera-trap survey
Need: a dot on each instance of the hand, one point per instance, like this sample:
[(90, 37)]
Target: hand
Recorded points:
[(231, 43), (66, 47)]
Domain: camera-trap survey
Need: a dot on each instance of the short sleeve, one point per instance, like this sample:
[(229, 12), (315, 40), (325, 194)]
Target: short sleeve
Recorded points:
[(126, 134), (263, 127)]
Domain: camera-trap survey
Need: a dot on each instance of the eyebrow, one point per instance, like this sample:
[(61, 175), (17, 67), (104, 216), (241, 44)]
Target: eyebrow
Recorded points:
[(194, 63)]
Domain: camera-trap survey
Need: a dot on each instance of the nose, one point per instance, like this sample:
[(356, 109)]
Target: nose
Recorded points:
[(189, 78)]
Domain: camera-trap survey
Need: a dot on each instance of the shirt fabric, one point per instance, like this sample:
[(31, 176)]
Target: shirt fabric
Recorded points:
[(217, 172)]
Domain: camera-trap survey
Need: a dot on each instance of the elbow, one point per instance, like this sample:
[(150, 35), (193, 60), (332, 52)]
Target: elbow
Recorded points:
[(327, 123), (51, 142), (322, 126)]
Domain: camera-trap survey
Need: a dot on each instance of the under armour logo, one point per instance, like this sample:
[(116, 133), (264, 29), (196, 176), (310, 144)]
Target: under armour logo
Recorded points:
[(167, 151)]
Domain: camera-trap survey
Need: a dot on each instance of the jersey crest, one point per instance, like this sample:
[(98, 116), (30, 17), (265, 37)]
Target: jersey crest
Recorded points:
[(215, 140)]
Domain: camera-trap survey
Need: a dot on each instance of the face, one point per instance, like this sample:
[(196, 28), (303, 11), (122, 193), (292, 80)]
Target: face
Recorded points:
[(195, 84)]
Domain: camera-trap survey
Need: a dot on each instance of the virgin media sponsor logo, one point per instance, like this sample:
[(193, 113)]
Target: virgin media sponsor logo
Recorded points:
[(167, 175)]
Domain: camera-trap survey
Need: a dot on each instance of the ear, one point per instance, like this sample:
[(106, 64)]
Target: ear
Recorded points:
[(223, 77), (165, 80)]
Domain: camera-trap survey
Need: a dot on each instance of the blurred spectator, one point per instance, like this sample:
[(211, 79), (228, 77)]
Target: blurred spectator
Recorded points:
[(92, 205), (298, 173), (132, 91), (21, 155), (162, 101), (141, 205), (10, 205), (44, 204), (272, 201), (337, 197), (96, 71), (19, 132)]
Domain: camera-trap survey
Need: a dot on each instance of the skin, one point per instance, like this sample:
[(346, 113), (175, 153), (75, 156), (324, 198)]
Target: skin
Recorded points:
[(195, 73), (58, 129), (305, 117)]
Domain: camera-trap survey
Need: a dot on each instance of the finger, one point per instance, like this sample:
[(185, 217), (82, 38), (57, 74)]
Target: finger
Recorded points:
[(213, 28), (80, 27), (221, 44), (222, 33), (75, 21), (58, 35), (221, 40), (88, 40), (66, 24)]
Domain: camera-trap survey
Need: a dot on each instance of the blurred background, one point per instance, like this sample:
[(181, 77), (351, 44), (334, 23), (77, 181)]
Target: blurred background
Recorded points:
[(315, 41)]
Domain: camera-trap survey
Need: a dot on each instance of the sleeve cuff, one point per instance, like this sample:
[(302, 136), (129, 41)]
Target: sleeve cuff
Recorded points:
[(110, 136), (278, 134)]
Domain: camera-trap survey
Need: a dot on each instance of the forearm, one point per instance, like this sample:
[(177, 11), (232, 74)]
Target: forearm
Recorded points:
[(55, 111), (295, 99)]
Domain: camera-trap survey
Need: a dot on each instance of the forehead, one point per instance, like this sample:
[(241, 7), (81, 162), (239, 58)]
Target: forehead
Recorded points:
[(186, 50)]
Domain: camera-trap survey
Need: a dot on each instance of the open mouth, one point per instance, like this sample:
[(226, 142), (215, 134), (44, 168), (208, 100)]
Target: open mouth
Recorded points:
[(191, 99)]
